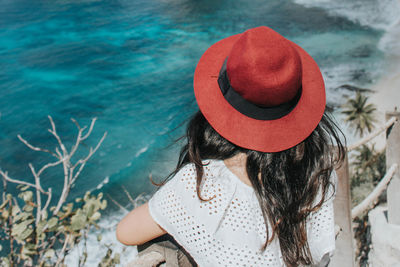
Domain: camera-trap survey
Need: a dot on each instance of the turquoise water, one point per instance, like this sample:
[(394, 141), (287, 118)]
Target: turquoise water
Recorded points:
[(130, 63)]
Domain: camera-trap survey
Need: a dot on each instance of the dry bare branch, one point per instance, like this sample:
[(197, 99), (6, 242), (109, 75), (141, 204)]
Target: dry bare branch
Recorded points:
[(16, 203), (62, 253), (38, 196), (37, 178), (76, 123), (4, 189), (76, 175), (138, 199), (64, 158), (58, 153), (15, 181), (83, 161), (90, 129), (49, 195), (69, 175), (78, 139), (129, 195), (81, 138), (116, 203), (92, 151), (53, 131), (65, 189), (35, 148), (52, 164)]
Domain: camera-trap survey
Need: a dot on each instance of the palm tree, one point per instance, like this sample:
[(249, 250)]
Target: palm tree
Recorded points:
[(360, 114), (369, 165), (364, 157)]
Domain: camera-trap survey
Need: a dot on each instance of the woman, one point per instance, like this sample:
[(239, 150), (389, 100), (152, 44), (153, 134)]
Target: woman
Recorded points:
[(254, 184)]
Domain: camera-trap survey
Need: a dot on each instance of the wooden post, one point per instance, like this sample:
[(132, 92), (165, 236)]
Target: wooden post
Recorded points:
[(393, 156), (344, 253)]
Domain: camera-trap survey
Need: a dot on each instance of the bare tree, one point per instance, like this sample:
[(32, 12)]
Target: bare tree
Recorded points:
[(27, 230)]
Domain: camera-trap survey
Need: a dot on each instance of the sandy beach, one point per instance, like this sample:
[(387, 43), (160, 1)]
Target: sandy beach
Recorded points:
[(387, 95), (387, 88)]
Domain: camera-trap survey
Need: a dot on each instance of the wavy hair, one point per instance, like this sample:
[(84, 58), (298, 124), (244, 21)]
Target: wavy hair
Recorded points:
[(286, 183)]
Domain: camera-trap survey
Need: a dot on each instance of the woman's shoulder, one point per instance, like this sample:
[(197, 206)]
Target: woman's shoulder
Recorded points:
[(211, 169), (214, 181)]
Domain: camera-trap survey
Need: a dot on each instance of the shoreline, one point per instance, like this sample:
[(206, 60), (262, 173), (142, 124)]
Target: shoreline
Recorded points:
[(386, 96)]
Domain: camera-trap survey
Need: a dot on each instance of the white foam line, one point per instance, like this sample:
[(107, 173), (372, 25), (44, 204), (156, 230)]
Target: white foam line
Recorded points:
[(97, 250), (105, 181), (377, 14), (141, 151)]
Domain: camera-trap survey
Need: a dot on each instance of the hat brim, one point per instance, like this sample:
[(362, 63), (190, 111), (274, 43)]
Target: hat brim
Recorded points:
[(260, 135)]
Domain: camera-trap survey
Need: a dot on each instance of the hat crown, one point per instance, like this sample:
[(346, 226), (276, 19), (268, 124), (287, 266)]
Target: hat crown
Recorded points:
[(264, 68)]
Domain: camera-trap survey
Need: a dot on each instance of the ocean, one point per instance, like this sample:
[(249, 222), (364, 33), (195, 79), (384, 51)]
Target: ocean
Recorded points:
[(130, 64)]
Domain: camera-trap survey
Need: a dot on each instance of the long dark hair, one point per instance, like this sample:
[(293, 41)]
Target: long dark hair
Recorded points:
[(286, 183)]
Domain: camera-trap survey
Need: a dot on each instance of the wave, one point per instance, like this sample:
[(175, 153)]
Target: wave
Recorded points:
[(376, 14), (389, 42), (97, 250), (102, 183), (141, 151)]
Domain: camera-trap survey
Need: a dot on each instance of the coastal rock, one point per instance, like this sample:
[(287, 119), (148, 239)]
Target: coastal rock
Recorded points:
[(385, 242)]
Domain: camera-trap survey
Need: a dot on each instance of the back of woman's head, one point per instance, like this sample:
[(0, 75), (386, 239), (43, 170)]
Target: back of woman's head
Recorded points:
[(287, 183)]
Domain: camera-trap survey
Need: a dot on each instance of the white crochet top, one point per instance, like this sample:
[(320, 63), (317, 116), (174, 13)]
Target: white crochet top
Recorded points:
[(228, 230)]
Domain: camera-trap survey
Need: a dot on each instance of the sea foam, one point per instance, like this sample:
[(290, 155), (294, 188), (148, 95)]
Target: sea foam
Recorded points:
[(97, 250), (377, 14)]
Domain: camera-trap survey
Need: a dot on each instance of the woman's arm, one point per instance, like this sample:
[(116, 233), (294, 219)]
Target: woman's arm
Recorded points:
[(138, 227)]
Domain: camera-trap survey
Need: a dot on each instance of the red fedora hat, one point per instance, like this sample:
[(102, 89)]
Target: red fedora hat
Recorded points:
[(259, 90)]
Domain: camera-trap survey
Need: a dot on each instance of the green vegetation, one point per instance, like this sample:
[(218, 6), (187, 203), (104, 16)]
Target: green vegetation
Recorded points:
[(47, 242), (33, 233), (360, 114), (368, 167)]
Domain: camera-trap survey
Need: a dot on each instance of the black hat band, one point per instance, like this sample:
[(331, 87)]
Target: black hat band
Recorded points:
[(250, 109)]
